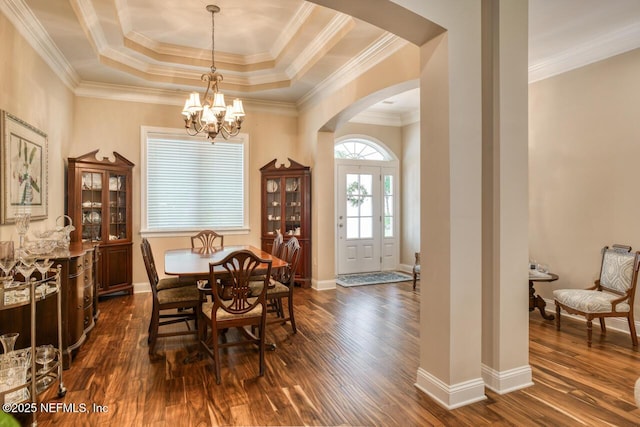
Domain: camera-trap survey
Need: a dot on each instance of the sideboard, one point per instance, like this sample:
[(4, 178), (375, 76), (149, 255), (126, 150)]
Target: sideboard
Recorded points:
[(79, 305)]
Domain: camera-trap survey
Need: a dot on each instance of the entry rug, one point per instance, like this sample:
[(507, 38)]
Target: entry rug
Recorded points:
[(348, 280)]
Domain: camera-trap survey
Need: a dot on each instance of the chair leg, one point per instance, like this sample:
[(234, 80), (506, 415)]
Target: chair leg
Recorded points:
[(262, 345), (632, 330), (589, 331), (557, 316), (216, 353), (415, 277), (153, 330), (291, 318)]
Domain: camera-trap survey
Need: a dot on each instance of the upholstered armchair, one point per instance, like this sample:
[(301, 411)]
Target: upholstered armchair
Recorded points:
[(611, 296)]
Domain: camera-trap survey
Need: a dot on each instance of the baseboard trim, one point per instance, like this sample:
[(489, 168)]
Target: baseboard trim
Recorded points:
[(323, 285), (450, 396), (405, 268), (141, 288), (503, 382)]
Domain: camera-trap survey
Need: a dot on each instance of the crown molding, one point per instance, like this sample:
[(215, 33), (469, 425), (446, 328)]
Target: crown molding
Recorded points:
[(318, 46), (613, 43), (378, 51), (292, 28), (170, 97), (377, 118), (30, 28)]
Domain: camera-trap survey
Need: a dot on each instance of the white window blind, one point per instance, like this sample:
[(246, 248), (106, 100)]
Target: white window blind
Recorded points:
[(193, 185)]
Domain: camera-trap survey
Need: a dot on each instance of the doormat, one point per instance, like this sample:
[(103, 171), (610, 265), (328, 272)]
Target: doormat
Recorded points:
[(360, 279)]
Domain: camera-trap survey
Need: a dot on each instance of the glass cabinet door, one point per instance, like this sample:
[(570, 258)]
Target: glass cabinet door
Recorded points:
[(92, 206), (274, 206), (293, 206), (117, 206)]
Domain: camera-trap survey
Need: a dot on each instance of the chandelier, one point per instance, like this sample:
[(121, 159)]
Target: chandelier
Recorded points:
[(212, 116)]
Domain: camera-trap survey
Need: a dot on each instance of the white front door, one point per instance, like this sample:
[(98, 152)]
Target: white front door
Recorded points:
[(359, 219)]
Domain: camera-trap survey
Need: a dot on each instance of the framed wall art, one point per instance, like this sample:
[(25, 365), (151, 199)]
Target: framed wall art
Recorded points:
[(24, 177)]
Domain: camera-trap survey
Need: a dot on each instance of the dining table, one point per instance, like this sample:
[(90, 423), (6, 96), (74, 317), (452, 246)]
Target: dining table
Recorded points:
[(194, 263)]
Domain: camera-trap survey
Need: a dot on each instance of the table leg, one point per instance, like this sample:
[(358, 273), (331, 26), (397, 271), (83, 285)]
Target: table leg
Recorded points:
[(536, 301)]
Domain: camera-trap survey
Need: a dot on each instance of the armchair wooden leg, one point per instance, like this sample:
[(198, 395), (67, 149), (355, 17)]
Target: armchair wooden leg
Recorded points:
[(603, 327), (415, 278), (589, 331), (632, 331), (557, 316)]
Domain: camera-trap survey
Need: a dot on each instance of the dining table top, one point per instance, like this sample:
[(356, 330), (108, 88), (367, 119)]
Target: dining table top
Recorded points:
[(195, 261)]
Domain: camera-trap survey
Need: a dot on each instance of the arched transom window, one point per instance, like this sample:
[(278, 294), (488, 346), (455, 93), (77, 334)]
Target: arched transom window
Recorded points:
[(360, 149)]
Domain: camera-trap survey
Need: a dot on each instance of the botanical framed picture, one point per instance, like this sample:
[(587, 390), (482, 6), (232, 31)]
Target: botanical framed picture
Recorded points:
[(24, 158)]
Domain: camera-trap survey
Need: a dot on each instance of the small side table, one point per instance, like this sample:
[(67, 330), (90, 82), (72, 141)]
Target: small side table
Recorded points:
[(536, 301)]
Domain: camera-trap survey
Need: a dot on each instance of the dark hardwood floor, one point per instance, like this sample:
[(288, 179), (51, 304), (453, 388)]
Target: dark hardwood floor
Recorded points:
[(352, 363)]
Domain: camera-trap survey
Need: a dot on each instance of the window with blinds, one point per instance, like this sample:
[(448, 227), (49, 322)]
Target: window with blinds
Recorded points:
[(191, 184)]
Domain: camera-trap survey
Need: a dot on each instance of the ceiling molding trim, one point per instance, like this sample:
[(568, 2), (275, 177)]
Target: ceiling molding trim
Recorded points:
[(614, 43), (378, 51), (292, 28), (410, 118), (30, 28), (170, 97), (377, 118), (89, 20), (315, 49)]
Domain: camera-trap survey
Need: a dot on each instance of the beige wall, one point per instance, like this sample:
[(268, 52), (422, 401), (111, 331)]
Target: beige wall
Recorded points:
[(584, 148), (31, 92), (115, 126)]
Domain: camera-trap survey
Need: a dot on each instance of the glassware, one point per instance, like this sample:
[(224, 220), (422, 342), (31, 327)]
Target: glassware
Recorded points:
[(26, 267), (45, 354), (43, 265), (7, 264), (8, 341), (13, 373), (23, 220)]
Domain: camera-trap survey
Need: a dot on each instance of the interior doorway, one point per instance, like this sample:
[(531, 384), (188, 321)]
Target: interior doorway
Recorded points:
[(366, 206)]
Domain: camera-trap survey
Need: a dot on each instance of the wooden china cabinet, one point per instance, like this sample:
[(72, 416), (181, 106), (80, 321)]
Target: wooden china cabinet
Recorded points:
[(99, 201), (286, 206)]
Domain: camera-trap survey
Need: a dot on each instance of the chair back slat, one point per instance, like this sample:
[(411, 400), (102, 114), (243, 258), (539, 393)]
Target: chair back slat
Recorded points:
[(232, 276), (618, 273), (276, 249), (291, 252), (149, 264), (208, 240)]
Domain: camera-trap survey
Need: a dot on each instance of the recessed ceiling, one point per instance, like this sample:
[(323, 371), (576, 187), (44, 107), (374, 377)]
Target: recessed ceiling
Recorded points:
[(274, 51)]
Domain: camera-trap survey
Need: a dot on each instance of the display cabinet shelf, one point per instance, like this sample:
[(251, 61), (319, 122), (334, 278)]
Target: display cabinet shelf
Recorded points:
[(99, 200), (286, 208)]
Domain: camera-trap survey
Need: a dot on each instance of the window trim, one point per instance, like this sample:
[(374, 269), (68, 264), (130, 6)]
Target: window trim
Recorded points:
[(241, 138)]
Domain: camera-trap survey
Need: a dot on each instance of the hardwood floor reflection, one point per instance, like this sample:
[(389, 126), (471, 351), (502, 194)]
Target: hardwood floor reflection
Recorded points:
[(353, 362)]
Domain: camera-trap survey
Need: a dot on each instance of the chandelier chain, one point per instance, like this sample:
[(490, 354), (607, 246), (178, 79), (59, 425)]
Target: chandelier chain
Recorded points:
[(213, 42)]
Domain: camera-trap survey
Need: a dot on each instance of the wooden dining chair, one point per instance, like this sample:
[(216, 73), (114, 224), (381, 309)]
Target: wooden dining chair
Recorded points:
[(233, 305), (278, 241), (208, 240), (282, 283), (173, 301)]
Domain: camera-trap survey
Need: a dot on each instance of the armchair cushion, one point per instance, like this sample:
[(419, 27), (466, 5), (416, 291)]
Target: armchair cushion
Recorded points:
[(174, 295), (589, 301)]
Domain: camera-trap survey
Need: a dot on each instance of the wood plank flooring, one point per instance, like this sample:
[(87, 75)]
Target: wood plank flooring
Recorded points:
[(352, 363)]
